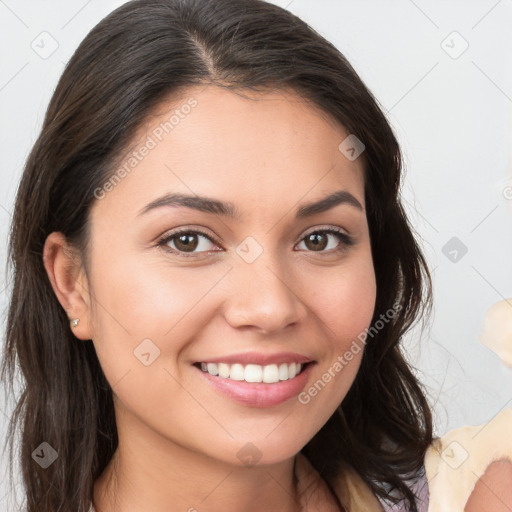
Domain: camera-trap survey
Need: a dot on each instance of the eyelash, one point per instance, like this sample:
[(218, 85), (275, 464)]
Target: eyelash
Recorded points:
[(346, 240)]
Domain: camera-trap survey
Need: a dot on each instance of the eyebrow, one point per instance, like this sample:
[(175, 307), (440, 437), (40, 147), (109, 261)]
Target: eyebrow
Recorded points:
[(228, 209)]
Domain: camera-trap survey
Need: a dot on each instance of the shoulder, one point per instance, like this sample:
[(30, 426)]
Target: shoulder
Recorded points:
[(470, 468)]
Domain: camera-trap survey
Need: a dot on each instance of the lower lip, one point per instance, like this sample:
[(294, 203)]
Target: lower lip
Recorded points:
[(259, 394)]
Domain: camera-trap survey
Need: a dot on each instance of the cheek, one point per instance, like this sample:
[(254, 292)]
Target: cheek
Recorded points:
[(143, 306), (140, 297), (142, 315), (351, 309), (345, 308), (344, 300)]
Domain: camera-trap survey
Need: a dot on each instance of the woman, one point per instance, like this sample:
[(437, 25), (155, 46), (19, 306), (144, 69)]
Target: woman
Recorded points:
[(213, 274)]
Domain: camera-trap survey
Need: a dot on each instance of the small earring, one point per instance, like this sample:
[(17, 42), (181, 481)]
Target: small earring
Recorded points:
[(74, 322)]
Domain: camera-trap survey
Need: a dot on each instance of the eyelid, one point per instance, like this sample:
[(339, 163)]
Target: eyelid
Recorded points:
[(346, 240), (162, 241), (324, 228)]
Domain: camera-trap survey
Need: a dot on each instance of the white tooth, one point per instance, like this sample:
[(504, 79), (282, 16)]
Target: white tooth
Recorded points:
[(213, 369), (253, 373), (270, 373), (236, 372), (224, 370), (283, 371)]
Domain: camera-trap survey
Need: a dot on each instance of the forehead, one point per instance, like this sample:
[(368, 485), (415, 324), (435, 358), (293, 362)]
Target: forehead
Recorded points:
[(262, 149)]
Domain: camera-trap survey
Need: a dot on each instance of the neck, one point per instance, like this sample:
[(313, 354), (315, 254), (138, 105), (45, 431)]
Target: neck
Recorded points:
[(149, 472)]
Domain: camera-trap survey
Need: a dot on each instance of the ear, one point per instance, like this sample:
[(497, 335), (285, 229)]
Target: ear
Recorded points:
[(69, 282)]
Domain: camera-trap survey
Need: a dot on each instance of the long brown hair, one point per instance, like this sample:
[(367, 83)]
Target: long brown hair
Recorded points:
[(136, 57)]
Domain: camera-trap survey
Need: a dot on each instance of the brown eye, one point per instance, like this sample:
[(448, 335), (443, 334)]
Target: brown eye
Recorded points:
[(316, 241), (187, 242), (319, 241)]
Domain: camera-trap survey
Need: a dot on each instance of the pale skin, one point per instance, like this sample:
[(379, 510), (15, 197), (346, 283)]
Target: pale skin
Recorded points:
[(178, 436)]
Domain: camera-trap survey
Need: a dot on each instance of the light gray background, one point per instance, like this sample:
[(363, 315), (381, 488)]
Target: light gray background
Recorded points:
[(450, 110)]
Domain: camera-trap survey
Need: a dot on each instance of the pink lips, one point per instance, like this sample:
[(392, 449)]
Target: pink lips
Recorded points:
[(260, 394)]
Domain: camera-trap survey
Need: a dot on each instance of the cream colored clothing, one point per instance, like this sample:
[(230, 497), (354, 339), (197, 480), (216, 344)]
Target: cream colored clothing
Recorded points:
[(455, 462)]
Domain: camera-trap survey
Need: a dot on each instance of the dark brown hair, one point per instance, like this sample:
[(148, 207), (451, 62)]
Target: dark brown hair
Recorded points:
[(142, 53)]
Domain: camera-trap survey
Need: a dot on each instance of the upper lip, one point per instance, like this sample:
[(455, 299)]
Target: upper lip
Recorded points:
[(259, 358)]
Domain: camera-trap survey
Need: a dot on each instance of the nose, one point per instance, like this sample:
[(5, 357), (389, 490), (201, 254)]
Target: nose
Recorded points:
[(263, 297)]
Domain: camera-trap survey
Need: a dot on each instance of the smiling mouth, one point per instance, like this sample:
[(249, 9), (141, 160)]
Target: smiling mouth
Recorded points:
[(268, 374)]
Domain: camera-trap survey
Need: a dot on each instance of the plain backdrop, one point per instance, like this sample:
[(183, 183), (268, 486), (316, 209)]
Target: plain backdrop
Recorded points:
[(442, 71)]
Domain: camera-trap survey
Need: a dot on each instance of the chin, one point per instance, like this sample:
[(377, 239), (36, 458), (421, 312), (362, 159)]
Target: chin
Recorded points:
[(265, 451)]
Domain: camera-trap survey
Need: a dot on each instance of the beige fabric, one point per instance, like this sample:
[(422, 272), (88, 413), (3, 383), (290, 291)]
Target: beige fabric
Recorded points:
[(315, 496), (496, 332), (355, 494), (455, 462)]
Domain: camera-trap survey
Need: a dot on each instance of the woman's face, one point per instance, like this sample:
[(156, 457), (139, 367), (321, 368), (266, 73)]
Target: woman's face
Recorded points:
[(252, 287)]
